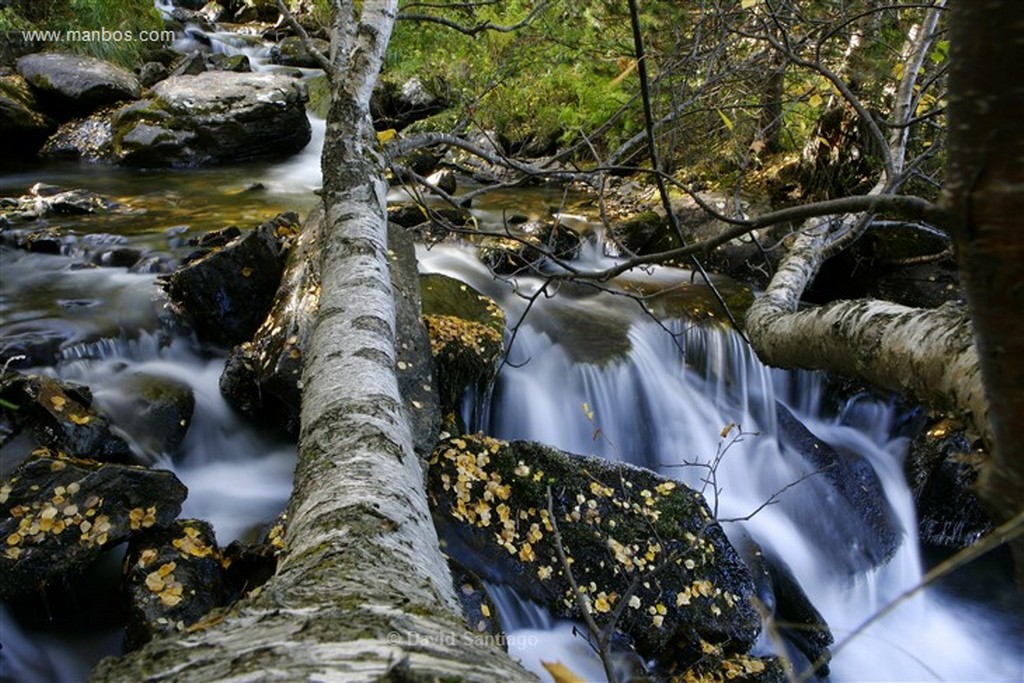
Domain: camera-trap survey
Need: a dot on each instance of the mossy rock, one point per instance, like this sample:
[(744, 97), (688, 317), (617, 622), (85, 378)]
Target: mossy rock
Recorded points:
[(466, 332), (622, 527), (22, 124)]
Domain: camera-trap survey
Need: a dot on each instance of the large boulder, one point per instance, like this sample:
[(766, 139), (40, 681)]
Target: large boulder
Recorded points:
[(23, 126), (57, 514), (630, 535), (212, 118), (73, 85)]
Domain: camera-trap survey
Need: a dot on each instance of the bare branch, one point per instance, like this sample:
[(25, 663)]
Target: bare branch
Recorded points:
[(478, 28), (307, 42)]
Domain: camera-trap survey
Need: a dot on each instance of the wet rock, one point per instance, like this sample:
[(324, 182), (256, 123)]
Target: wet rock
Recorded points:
[(477, 607), (152, 73), (443, 180), (236, 63), (292, 52), (942, 468), (62, 417), (632, 236), (212, 118), (43, 241), (23, 126), (529, 245), (414, 361), (44, 201), (799, 622), (73, 85), (88, 139), (153, 412), (173, 577), (192, 64), (227, 293), (621, 525), (58, 513), (466, 336), (432, 222), (861, 514), (398, 105)]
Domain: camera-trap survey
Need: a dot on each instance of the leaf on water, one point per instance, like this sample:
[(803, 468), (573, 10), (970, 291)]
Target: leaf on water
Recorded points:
[(561, 673)]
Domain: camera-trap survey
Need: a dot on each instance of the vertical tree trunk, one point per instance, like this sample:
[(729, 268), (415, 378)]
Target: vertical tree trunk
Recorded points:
[(985, 196)]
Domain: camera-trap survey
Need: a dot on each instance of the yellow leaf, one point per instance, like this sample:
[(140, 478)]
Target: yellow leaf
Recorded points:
[(58, 402), (79, 419), (726, 429), (725, 119), (747, 4), (816, 100), (561, 673), (385, 135)]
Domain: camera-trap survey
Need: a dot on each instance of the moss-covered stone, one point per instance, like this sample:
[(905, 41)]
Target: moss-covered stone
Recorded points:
[(466, 332), (22, 124), (623, 528)]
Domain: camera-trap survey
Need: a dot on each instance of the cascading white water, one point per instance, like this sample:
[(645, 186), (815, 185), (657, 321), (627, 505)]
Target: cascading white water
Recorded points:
[(663, 405)]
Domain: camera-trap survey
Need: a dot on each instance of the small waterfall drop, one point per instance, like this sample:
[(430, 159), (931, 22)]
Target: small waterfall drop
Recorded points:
[(663, 403)]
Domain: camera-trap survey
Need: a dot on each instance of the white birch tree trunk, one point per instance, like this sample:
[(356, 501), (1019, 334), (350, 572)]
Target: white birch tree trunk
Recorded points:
[(362, 591)]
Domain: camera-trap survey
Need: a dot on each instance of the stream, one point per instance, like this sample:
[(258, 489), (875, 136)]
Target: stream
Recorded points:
[(588, 372)]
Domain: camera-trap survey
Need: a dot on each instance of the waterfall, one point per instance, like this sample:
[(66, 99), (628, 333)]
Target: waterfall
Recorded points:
[(664, 404)]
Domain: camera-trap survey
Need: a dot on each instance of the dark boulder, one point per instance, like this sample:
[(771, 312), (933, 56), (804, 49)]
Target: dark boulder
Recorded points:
[(61, 417), (227, 293), (623, 527), (89, 139), (23, 126), (631, 236), (477, 607), (57, 514), (173, 577), (906, 263), (213, 117), (74, 85)]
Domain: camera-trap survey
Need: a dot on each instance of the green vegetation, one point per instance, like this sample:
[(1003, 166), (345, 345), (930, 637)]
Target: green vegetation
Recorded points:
[(119, 17)]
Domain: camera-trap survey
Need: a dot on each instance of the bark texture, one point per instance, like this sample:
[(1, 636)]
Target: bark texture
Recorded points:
[(985, 197), (362, 592)]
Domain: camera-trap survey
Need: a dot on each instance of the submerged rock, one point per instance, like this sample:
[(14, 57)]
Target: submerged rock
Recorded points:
[(73, 85), (154, 412), (58, 513), (629, 534), (862, 517)]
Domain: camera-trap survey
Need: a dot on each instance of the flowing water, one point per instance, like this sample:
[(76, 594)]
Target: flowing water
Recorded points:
[(588, 372)]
